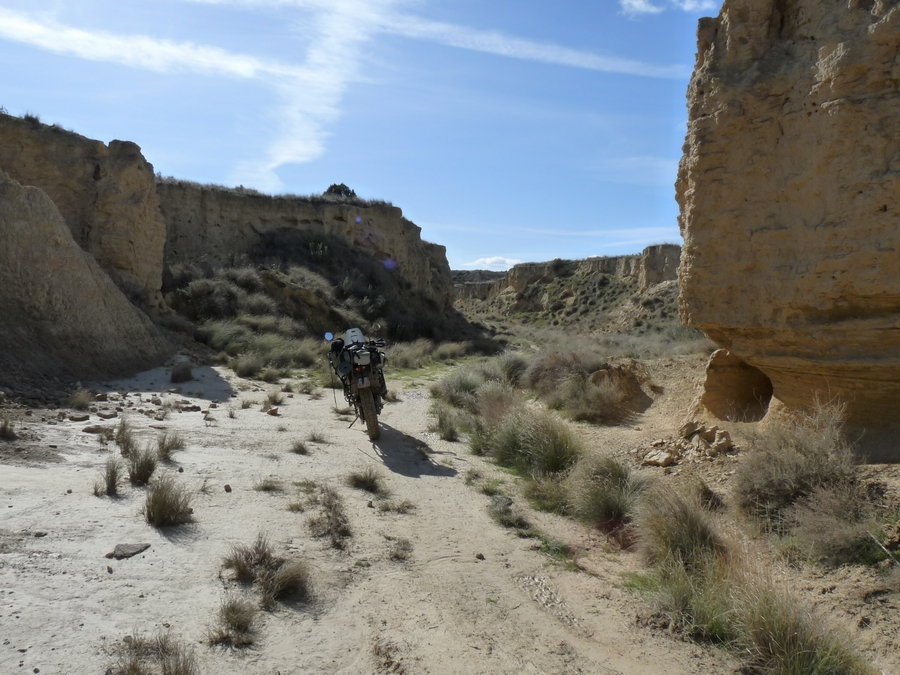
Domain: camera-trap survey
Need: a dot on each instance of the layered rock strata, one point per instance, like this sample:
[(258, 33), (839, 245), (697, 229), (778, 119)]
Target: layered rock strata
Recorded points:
[(216, 225), (105, 193), (61, 313), (789, 190), (653, 266)]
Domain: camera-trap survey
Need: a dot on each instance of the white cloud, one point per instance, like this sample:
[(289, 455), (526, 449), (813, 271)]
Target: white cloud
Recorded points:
[(639, 7), (493, 42), (495, 263)]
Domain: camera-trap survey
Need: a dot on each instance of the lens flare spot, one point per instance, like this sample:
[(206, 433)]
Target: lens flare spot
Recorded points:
[(390, 264), (358, 219)]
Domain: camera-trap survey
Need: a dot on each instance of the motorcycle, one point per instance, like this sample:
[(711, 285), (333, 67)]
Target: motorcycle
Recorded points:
[(359, 365)]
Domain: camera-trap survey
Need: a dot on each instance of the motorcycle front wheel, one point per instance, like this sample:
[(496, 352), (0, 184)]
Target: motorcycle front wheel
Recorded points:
[(367, 401)]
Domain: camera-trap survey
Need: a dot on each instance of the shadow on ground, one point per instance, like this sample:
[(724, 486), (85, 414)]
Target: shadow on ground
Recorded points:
[(408, 456)]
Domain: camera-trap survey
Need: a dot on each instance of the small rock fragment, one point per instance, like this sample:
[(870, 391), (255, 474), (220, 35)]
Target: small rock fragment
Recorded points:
[(227, 488)]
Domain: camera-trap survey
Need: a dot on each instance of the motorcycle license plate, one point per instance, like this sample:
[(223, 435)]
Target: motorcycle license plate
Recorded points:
[(363, 382)]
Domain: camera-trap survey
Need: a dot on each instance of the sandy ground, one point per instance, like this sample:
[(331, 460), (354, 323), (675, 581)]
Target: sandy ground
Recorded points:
[(471, 598)]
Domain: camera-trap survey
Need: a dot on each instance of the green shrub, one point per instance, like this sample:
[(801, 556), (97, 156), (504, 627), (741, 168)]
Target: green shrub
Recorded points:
[(533, 443)]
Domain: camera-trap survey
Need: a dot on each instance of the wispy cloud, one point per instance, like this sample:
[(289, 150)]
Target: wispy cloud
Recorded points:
[(639, 7), (135, 50), (494, 42), (495, 263)]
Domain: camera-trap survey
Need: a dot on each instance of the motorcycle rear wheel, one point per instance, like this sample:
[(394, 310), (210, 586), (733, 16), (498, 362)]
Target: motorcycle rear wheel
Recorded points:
[(367, 401)]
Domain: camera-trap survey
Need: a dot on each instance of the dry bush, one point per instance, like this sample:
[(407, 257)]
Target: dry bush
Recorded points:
[(247, 403), (234, 623), (368, 479), (496, 401), (401, 550), (451, 351), (7, 429), (160, 654), (672, 527), (831, 526), (332, 520), (111, 478), (168, 442), (299, 448), (417, 354), (275, 397), (604, 491), (81, 399), (168, 503), (445, 422), (546, 372), (141, 465), (270, 375), (458, 389), (792, 459), (258, 304), (181, 372), (246, 365), (244, 277), (290, 579), (316, 437)]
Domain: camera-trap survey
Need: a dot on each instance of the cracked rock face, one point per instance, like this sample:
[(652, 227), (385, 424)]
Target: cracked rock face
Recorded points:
[(789, 190)]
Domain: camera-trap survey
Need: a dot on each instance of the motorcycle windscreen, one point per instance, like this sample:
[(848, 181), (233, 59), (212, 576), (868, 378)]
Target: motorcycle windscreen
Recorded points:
[(354, 336)]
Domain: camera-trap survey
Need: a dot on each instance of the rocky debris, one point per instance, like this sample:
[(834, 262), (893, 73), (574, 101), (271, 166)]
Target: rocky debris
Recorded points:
[(122, 551), (106, 195), (788, 194), (97, 429), (61, 313), (695, 442), (79, 418)]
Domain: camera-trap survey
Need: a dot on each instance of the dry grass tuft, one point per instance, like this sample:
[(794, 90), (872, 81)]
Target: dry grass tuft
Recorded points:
[(445, 422), (168, 503), (275, 398), (111, 478), (268, 484), (403, 507), (235, 623), (401, 550), (247, 562), (125, 437), (533, 443), (81, 399), (299, 448), (289, 580), (332, 520), (160, 654), (7, 429), (168, 442), (368, 479), (316, 437), (793, 458), (141, 465), (674, 527), (604, 491)]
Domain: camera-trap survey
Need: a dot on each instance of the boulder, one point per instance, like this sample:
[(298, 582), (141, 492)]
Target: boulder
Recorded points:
[(789, 190), (62, 315)]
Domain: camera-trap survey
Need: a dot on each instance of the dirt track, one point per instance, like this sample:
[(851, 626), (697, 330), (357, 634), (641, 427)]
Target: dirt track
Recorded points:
[(444, 610)]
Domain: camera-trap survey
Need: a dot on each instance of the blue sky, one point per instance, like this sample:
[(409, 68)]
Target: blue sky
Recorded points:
[(508, 130)]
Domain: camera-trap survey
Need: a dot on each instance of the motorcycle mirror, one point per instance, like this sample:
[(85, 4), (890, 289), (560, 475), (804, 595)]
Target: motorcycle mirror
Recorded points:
[(329, 336)]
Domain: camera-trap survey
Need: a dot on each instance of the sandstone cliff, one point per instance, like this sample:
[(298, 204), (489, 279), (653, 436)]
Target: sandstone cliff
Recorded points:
[(789, 191), (217, 225), (106, 194), (61, 314), (653, 266)]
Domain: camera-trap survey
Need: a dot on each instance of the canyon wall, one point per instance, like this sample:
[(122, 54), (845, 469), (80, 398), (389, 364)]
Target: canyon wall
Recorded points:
[(105, 193), (789, 190), (653, 266), (61, 314), (217, 225)]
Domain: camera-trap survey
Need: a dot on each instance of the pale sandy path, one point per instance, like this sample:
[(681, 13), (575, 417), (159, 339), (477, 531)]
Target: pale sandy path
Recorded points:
[(442, 611)]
